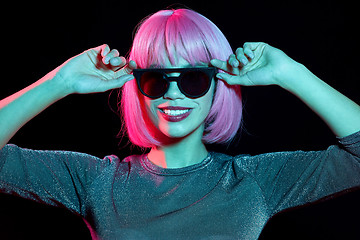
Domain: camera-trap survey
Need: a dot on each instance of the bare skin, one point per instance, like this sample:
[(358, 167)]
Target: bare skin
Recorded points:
[(100, 69)]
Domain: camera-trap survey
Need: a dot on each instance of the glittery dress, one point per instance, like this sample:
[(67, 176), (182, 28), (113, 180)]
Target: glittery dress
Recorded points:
[(223, 197)]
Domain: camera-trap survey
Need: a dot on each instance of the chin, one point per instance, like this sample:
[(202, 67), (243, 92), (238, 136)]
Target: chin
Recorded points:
[(179, 132), (174, 132)]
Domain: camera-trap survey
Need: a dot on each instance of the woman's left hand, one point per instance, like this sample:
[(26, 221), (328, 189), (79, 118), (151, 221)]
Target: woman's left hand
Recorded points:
[(256, 64)]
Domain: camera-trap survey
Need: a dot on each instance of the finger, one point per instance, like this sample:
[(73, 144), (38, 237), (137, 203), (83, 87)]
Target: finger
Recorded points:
[(118, 61), (126, 70), (94, 52), (105, 49), (233, 61), (114, 83), (255, 47), (240, 55), (228, 78), (223, 65), (248, 50), (235, 79), (112, 54), (132, 65), (218, 64)]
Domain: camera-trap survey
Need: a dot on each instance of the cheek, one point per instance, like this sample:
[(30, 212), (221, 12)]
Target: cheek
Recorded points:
[(206, 106), (207, 100), (151, 110)]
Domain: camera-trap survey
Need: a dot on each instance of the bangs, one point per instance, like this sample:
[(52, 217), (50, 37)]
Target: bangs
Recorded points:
[(168, 34)]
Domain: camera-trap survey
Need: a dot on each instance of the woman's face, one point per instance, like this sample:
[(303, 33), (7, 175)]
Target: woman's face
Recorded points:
[(174, 114)]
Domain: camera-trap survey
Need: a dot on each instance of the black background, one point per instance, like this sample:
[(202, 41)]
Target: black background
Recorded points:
[(39, 37)]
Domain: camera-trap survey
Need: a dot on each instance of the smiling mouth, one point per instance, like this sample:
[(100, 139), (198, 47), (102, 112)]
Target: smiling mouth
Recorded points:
[(174, 112)]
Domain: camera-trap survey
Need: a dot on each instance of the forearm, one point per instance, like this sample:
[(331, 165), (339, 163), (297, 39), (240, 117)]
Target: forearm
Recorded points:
[(19, 108), (340, 113)]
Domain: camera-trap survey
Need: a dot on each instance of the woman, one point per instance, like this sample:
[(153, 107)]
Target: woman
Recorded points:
[(186, 93)]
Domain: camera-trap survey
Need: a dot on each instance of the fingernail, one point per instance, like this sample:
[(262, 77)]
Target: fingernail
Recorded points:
[(128, 78), (107, 59), (219, 76), (251, 55), (244, 61), (105, 52)]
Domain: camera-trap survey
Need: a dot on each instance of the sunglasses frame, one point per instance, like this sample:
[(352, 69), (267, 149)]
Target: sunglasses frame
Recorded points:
[(209, 71)]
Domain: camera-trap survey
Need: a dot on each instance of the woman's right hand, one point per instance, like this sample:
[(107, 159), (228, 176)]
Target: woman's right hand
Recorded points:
[(95, 70)]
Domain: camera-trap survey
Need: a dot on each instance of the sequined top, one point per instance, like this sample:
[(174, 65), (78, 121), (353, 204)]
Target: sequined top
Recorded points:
[(223, 197)]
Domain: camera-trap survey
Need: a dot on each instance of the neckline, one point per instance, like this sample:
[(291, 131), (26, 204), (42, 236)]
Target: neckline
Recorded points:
[(151, 167)]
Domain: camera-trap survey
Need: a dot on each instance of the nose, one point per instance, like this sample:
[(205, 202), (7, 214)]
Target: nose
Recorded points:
[(174, 92)]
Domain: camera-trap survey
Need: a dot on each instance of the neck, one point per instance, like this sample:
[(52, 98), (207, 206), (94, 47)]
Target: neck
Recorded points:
[(184, 152)]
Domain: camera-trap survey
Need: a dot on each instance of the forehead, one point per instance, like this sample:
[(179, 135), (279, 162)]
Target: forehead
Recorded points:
[(180, 63)]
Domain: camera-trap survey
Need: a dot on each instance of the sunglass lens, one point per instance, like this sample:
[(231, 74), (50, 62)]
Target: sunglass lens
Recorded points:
[(153, 84), (195, 83)]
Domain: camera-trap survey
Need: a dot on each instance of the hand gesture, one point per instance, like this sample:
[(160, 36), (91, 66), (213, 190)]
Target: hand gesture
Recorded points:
[(95, 70), (255, 64)]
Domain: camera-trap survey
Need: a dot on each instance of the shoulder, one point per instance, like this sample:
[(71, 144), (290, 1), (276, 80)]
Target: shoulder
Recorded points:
[(273, 160)]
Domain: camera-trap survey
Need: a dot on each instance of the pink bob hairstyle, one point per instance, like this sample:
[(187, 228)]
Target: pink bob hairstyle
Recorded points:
[(195, 38)]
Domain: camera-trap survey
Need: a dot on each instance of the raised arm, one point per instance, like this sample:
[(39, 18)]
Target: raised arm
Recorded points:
[(91, 71), (260, 64)]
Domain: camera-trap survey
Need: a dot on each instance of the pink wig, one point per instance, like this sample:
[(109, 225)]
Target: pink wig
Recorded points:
[(195, 38)]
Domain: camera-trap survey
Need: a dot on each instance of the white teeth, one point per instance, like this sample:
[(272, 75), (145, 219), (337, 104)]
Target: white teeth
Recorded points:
[(175, 112)]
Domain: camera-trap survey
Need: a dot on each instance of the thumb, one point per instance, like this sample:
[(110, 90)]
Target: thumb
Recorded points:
[(218, 63), (126, 70), (115, 83), (243, 80)]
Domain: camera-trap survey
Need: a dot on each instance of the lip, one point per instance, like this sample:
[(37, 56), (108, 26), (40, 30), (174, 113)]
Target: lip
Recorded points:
[(177, 118), (175, 108)]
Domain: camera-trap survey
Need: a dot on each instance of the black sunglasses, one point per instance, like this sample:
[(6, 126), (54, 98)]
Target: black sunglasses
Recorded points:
[(192, 82)]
